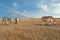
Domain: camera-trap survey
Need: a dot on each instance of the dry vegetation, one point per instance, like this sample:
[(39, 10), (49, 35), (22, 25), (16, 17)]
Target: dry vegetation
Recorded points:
[(28, 31)]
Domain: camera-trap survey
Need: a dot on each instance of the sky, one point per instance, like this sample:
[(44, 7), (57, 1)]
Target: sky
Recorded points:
[(29, 8)]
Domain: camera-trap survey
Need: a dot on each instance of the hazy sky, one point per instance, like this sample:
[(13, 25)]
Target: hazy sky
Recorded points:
[(29, 8)]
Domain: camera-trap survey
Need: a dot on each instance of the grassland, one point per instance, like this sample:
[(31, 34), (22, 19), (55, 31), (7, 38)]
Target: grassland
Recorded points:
[(29, 31)]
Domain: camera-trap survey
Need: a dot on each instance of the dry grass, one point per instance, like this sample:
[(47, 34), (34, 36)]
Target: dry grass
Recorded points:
[(28, 31)]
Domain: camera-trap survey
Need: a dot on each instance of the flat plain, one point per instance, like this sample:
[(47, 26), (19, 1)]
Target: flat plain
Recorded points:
[(27, 30)]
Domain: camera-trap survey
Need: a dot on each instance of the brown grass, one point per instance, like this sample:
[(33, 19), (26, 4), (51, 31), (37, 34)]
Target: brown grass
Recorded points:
[(28, 31)]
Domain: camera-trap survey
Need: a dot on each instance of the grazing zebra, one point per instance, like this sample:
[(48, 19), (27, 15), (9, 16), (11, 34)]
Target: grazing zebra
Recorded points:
[(48, 20), (6, 20)]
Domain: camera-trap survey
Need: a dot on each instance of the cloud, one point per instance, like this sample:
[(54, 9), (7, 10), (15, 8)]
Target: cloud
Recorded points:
[(55, 8), (19, 14), (50, 8), (54, 0), (44, 7), (24, 11), (15, 4)]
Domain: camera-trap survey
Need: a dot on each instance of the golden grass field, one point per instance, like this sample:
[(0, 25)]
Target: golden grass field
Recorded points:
[(27, 30)]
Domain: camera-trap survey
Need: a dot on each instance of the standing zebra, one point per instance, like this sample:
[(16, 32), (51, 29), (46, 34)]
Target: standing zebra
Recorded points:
[(17, 20)]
